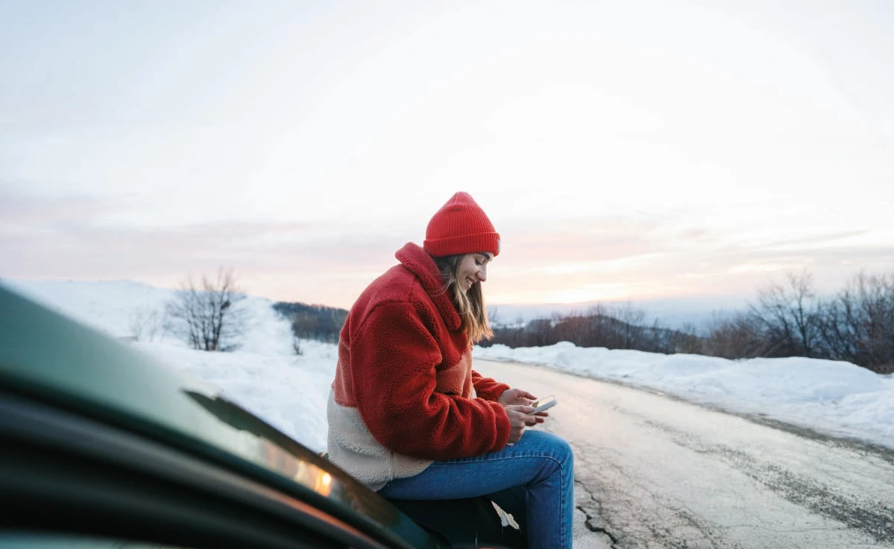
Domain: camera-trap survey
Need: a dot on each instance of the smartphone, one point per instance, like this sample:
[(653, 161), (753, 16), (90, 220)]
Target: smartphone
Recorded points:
[(544, 404)]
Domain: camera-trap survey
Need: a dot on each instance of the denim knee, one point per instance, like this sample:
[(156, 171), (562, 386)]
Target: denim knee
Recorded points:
[(556, 449), (560, 449)]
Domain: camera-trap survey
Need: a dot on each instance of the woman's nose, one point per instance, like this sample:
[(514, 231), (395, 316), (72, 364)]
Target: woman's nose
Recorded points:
[(482, 273)]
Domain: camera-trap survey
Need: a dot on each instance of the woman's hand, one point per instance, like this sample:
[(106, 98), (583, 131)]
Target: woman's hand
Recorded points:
[(520, 416), (511, 397), (516, 396)]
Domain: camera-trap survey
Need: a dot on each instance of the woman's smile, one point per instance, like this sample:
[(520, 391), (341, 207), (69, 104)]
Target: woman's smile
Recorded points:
[(472, 269)]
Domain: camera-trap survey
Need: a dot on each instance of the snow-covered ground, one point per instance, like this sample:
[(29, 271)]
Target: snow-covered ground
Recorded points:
[(266, 376)]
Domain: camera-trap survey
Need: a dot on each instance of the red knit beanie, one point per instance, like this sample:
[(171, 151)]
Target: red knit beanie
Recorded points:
[(460, 227)]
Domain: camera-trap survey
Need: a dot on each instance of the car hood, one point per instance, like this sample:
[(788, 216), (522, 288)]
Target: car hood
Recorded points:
[(56, 359)]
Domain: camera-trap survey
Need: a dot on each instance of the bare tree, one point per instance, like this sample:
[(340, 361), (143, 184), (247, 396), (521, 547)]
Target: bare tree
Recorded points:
[(858, 325), (208, 315), (631, 327), (789, 314)]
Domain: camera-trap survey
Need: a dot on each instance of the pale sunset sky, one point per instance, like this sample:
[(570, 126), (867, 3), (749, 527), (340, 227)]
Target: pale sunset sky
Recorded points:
[(624, 150)]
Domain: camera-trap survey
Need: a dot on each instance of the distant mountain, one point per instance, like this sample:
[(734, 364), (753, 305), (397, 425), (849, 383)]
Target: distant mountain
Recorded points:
[(313, 321), (671, 313), (595, 329)]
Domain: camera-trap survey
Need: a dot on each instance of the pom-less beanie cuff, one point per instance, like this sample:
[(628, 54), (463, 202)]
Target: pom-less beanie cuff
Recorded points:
[(460, 227), (473, 243)]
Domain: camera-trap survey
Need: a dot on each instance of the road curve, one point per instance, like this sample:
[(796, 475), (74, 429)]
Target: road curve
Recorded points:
[(653, 471)]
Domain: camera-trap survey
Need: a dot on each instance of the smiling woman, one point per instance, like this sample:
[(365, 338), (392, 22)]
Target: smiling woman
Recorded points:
[(409, 417)]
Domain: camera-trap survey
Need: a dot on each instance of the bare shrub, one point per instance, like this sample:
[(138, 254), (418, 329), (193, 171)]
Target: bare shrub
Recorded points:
[(686, 340), (208, 315), (734, 335)]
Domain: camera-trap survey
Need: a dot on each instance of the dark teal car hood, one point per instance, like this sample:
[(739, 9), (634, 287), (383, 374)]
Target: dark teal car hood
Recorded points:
[(55, 359)]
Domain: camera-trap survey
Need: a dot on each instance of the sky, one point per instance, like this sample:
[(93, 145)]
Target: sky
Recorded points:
[(290, 392), (625, 151)]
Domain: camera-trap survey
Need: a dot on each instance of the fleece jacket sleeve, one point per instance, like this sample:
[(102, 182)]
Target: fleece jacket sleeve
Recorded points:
[(486, 387), (393, 365)]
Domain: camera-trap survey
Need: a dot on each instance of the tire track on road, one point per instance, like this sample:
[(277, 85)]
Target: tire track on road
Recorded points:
[(874, 518)]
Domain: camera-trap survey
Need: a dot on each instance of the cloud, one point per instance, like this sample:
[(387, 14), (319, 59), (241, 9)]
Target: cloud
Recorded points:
[(67, 238), (625, 256), (628, 259), (18, 210)]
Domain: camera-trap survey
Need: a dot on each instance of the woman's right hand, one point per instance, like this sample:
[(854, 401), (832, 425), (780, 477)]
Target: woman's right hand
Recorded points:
[(520, 415)]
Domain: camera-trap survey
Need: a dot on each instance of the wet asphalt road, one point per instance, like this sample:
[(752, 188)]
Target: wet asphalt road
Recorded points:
[(656, 472)]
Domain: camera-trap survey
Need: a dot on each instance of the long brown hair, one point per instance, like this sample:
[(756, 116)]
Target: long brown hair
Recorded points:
[(469, 304)]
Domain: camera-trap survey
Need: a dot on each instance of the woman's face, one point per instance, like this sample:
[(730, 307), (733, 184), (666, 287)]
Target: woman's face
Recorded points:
[(472, 268)]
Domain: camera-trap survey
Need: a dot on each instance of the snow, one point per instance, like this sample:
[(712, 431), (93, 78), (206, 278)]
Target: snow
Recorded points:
[(289, 391), (835, 398)]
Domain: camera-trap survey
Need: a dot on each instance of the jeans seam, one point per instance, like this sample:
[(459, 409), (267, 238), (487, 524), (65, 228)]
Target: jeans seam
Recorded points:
[(562, 496), (502, 458)]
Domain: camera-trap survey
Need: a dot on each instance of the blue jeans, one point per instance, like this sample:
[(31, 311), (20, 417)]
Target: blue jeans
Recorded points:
[(533, 480)]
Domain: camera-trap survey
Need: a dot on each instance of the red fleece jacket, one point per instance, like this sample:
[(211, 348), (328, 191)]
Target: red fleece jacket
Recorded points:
[(406, 366)]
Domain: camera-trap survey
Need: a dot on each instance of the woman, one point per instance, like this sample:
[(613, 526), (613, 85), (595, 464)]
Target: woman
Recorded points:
[(407, 414)]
